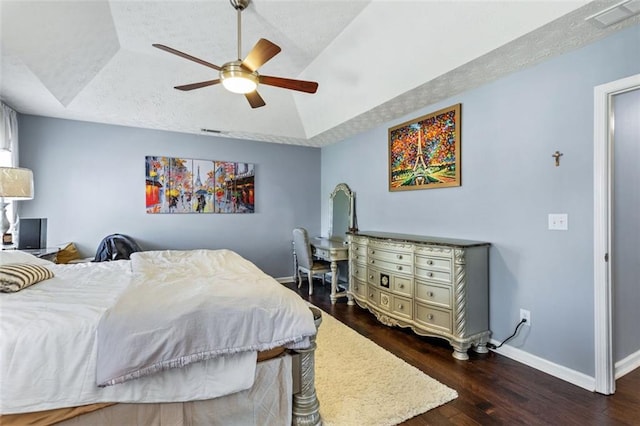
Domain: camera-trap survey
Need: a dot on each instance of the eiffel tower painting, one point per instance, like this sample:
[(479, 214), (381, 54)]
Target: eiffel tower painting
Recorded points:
[(425, 153), (420, 167)]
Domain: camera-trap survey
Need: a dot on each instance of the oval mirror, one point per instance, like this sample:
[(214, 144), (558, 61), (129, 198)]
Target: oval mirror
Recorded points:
[(342, 210)]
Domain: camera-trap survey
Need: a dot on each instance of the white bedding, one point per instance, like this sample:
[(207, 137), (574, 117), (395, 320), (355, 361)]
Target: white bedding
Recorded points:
[(48, 347), (185, 306)]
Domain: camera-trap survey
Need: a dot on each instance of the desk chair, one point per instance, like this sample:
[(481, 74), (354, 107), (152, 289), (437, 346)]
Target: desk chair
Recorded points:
[(306, 262)]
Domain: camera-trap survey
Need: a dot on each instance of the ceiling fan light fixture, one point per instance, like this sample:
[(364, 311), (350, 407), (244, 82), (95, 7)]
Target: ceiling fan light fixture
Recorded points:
[(237, 79), (241, 76)]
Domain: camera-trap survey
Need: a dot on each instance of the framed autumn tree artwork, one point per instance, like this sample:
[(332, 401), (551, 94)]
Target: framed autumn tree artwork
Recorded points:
[(424, 153)]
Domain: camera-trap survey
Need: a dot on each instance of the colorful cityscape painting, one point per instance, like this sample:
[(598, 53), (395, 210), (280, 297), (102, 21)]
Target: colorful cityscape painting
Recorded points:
[(424, 153), (183, 185)]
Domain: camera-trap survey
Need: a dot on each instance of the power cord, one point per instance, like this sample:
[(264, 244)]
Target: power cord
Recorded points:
[(492, 346)]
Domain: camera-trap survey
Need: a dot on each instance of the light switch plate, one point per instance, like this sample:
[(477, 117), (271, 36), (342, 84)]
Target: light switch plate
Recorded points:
[(558, 221)]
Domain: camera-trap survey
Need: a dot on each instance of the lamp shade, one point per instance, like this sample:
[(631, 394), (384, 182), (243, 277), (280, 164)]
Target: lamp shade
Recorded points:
[(16, 183)]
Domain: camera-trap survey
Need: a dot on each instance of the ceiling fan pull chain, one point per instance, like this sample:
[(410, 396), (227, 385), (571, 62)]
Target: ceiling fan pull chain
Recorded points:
[(239, 35)]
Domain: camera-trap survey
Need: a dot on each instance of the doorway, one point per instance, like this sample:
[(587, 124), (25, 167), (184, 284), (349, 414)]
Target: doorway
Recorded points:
[(604, 231)]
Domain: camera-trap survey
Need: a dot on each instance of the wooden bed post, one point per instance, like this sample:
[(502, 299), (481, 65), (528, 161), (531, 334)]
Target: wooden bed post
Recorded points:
[(306, 408)]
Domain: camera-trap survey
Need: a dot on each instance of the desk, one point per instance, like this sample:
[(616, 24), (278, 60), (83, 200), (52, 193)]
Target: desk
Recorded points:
[(331, 251)]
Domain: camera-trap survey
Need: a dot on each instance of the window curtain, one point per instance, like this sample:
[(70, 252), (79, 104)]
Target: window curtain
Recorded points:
[(9, 132), (9, 150)]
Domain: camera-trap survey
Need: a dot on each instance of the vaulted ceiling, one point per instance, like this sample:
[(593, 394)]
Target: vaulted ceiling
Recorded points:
[(375, 61)]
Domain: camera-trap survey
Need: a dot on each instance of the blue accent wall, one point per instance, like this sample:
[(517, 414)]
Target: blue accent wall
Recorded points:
[(90, 182), (510, 129)]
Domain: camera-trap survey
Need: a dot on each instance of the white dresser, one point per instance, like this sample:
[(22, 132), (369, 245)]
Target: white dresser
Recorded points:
[(436, 286)]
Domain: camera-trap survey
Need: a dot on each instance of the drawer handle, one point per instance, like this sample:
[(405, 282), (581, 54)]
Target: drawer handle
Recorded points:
[(357, 271), (370, 294), (399, 268), (401, 286), (373, 261), (372, 252), (370, 277), (400, 256), (355, 287), (400, 306), (430, 316), (429, 262), (430, 294), (429, 274)]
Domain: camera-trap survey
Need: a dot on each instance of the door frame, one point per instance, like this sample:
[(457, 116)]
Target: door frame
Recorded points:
[(603, 181)]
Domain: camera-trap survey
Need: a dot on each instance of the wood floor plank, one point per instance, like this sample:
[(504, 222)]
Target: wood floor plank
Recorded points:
[(492, 389)]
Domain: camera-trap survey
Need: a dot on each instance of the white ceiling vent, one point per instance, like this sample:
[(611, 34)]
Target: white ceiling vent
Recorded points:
[(616, 13)]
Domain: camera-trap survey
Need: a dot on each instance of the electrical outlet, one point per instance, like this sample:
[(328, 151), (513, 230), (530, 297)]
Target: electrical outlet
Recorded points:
[(526, 315)]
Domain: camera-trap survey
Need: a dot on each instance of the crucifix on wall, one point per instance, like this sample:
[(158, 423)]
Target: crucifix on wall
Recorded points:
[(557, 156)]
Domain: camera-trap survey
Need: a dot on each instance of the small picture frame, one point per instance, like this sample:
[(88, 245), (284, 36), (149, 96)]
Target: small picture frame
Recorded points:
[(7, 239)]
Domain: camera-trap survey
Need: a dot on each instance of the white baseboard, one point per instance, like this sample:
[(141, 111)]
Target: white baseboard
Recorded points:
[(556, 370), (627, 365), (284, 280)]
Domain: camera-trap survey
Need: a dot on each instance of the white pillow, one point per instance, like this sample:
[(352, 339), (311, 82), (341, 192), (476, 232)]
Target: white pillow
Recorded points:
[(17, 256)]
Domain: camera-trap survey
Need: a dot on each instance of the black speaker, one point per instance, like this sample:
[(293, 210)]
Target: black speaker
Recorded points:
[(32, 233)]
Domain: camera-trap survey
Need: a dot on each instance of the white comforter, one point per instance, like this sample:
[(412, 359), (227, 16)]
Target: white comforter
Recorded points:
[(188, 306), (48, 347)]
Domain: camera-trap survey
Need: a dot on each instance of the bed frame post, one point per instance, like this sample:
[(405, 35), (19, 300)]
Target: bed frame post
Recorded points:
[(306, 408)]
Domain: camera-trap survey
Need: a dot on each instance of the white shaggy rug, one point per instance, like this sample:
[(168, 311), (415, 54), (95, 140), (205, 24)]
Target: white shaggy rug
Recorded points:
[(360, 383)]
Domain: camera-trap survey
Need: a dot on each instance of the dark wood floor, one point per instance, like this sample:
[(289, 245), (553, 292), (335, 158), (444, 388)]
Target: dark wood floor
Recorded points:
[(492, 389)]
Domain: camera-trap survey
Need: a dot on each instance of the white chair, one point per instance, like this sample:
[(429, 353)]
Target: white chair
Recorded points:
[(306, 262)]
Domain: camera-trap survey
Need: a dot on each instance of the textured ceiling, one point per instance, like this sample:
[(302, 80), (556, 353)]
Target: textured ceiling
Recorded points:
[(375, 61)]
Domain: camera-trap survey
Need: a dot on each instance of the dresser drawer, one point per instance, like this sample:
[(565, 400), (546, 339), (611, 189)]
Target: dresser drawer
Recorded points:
[(358, 250), (373, 277), (359, 289), (433, 294), (359, 271), (402, 285), (373, 295), (390, 266), (433, 263), (402, 306), (443, 277), (433, 317), (400, 257)]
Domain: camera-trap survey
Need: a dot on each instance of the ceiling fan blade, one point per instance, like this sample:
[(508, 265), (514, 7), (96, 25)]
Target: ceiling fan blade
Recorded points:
[(287, 83), (260, 54), (198, 85), (186, 56), (255, 100)]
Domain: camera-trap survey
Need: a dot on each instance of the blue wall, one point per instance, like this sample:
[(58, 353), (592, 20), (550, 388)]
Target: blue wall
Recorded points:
[(89, 182), (510, 129)]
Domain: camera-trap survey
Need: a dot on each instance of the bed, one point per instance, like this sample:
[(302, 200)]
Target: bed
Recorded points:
[(173, 337)]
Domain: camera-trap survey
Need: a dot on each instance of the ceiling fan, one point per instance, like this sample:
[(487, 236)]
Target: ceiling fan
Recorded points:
[(241, 76)]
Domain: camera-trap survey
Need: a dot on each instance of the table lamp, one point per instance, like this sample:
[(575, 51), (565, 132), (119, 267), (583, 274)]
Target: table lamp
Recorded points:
[(15, 184)]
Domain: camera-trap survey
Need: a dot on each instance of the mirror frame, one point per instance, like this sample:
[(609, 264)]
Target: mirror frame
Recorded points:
[(352, 207)]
